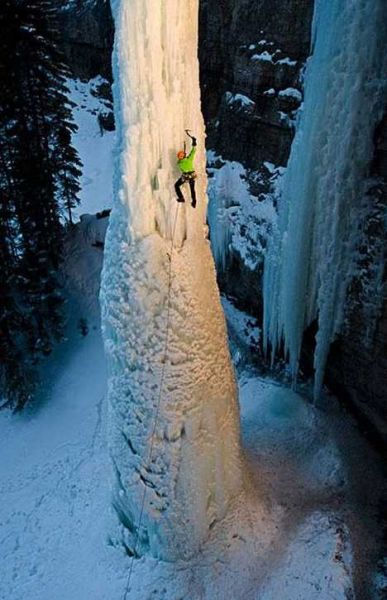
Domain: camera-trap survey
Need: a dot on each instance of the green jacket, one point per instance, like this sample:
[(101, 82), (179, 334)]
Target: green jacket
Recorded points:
[(186, 165)]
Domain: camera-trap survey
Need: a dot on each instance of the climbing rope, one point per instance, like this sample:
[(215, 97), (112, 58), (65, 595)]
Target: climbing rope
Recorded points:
[(164, 362)]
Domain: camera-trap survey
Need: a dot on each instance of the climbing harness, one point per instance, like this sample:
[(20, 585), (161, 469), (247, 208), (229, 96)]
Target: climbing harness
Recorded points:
[(164, 362), (188, 175)]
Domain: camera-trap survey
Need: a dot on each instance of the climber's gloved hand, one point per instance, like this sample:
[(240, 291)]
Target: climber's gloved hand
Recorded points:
[(193, 140)]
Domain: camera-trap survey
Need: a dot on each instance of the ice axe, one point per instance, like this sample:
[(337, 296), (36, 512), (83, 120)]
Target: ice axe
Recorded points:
[(189, 135)]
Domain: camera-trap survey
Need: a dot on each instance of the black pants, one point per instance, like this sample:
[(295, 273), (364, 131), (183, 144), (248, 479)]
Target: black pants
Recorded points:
[(190, 177)]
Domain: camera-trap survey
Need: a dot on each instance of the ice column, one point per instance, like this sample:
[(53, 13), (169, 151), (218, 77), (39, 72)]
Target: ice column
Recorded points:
[(310, 260), (194, 471)]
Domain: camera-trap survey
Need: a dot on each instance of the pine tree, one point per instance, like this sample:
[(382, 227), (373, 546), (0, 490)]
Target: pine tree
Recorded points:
[(68, 173), (39, 171), (17, 377)]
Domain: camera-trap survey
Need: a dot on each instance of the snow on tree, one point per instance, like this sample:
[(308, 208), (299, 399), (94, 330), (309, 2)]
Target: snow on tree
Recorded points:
[(163, 326), (311, 258)]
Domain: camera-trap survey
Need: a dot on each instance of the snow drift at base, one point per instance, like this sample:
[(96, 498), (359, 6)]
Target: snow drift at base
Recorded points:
[(307, 526)]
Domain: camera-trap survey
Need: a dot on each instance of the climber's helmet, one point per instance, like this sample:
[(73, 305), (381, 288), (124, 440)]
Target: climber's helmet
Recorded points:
[(181, 154)]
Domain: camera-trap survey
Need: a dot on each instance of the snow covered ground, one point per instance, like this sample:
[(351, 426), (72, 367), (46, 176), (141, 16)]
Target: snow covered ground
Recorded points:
[(304, 528), (95, 147)]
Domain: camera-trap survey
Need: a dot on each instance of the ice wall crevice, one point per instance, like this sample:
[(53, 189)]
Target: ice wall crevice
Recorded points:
[(196, 443), (311, 259)]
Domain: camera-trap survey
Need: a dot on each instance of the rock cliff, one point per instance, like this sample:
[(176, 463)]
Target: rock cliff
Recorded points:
[(357, 364), (251, 53)]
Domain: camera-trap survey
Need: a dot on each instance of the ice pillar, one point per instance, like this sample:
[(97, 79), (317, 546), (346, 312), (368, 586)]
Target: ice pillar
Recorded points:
[(163, 325)]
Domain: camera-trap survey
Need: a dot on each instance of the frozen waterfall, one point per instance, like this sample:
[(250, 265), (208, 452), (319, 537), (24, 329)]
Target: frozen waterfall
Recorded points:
[(310, 260), (190, 467)]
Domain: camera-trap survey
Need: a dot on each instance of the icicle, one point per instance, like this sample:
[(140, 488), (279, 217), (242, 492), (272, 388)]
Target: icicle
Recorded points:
[(310, 260)]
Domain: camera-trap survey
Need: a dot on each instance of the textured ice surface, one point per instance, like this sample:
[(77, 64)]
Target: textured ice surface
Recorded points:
[(156, 297), (310, 261)]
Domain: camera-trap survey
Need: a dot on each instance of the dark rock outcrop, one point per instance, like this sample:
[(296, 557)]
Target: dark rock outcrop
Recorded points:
[(357, 364), (86, 31), (254, 49)]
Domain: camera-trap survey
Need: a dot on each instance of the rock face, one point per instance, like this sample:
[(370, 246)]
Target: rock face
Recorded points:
[(251, 53), (357, 364), (87, 32)]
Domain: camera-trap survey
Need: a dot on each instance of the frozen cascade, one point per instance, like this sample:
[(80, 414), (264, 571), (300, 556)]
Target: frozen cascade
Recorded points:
[(194, 470), (310, 260)]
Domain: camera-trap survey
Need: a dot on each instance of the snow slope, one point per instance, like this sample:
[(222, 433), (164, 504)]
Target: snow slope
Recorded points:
[(54, 487), (95, 148), (54, 483)]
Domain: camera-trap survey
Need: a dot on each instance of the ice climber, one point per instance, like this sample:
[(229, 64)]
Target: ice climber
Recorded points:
[(186, 166)]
